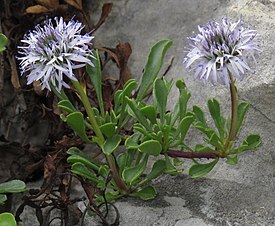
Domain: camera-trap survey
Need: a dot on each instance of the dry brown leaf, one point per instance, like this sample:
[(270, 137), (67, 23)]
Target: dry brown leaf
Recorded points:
[(106, 9), (14, 75), (36, 9), (75, 3), (50, 166), (38, 88), (50, 4)]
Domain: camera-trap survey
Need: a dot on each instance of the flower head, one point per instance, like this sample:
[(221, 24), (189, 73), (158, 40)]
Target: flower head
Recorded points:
[(52, 52), (220, 48)]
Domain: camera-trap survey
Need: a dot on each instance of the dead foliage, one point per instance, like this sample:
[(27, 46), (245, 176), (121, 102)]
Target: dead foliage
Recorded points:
[(22, 107)]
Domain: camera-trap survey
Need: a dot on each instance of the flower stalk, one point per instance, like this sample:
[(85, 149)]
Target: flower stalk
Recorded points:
[(234, 111), (119, 182)]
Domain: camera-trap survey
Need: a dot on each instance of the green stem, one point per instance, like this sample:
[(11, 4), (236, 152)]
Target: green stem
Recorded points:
[(120, 183), (89, 111), (234, 111)]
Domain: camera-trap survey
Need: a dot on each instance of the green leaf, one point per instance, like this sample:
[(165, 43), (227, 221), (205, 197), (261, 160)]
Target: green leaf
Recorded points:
[(215, 141), (121, 161), (135, 113), (207, 131), (150, 113), (150, 147), (104, 171), (96, 79), (199, 115), (252, 141), (184, 126), (153, 66), (158, 168), (215, 112), (81, 170), (131, 142), (198, 170), (177, 162), (66, 105), (201, 148), (3, 199), (242, 109), (160, 95), (7, 219), (129, 87), (12, 186), (170, 167), (76, 151), (131, 174), (76, 121), (118, 98), (232, 160), (108, 129), (111, 144), (3, 42), (146, 193), (183, 98), (76, 158), (109, 196)]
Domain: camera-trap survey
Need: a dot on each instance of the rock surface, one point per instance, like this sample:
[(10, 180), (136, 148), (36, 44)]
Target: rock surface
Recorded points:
[(243, 194)]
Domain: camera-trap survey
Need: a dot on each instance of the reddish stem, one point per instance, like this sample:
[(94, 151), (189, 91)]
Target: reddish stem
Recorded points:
[(192, 155)]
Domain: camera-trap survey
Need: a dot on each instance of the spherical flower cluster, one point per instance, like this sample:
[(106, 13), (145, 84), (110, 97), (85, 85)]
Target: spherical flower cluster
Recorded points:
[(220, 48), (52, 52)]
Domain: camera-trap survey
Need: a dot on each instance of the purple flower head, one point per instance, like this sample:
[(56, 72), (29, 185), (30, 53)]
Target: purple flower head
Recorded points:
[(51, 53), (220, 48)]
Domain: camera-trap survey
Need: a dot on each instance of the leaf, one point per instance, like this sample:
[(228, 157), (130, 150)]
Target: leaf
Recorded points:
[(7, 219), (183, 98), (3, 42), (242, 109), (215, 141), (81, 170), (131, 142), (158, 168), (251, 142), (104, 171), (96, 79), (106, 9), (160, 95), (108, 129), (3, 199), (76, 121), (232, 160), (136, 113), (50, 4), (150, 113), (12, 186), (131, 174), (121, 161), (198, 170), (170, 167), (150, 147), (214, 109), (153, 66), (76, 158), (146, 193), (199, 115), (75, 3), (66, 105), (36, 9), (201, 148), (184, 126), (129, 87), (111, 144)]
